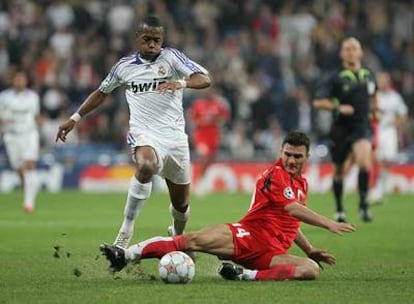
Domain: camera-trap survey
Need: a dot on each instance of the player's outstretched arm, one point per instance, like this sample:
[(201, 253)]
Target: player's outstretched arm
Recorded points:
[(327, 104), (198, 81), (94, 100), (310, 217), (195, 81), (317, 254)]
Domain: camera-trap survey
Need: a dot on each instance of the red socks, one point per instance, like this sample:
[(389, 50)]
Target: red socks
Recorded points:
[(279, 273), (157, 247)]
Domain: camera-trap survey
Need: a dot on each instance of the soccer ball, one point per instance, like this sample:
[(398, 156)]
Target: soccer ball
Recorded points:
[(176, 267)]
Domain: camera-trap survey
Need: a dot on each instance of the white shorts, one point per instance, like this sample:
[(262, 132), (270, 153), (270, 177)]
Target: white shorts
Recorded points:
[(21, 147), (173, 155), (387, 149)]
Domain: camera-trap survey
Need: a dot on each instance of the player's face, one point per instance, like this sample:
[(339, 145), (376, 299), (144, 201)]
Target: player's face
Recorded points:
[(149, 41), (20, 81), (293, 158), (351, 51), (383, 81)]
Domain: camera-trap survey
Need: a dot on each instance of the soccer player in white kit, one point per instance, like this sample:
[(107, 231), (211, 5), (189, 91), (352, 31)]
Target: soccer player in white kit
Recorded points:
[(393, 113), (18, 122), (154, 79)]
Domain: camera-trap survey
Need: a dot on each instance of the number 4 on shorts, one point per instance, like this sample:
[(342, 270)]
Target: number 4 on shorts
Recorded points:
[(241, 232)]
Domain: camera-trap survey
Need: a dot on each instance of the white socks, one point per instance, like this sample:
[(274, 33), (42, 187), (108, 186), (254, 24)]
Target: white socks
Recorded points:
[(382, 182), (30, 188), (179, 219), (137, 195), (249, 275)]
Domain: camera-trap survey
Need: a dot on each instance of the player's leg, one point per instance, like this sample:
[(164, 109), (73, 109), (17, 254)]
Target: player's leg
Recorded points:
[(217, 240), (282, 267), (179, 206), (31, 185), (362, 152), (387, 154), (289, 267), (337, 187), (146, 165), (23, 153), (206, 150), (340, 155), (177, 174)]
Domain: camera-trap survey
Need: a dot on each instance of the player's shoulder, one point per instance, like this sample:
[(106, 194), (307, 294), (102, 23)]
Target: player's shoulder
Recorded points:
[(365, 69), (173, 53), (31, 91), (329, 76), (278, 172), (125, 60), (7, 91)]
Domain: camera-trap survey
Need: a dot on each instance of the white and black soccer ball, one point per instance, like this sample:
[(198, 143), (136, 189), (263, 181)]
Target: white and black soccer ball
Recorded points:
[(176, 267)]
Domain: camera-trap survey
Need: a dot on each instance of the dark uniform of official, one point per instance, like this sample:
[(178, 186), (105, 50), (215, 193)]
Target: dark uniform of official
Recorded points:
[(355, 89)]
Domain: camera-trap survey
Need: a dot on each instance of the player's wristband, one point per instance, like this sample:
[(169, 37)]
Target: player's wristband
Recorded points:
[(76, 117), (183, 83)]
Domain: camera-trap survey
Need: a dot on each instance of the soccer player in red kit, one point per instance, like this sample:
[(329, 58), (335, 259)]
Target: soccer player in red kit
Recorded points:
[(207, 114), (261, 239)]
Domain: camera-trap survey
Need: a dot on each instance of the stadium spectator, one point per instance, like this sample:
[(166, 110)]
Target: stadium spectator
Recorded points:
[(19, 125), (257, 51), (262, 238), (207, 115), (350, 93), (154, 78), (393, 114), (239, 143)]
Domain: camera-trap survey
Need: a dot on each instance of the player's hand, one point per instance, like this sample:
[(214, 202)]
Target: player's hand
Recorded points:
[(64, 130), (321, 255), (169, 86), (340, 228), (346, 109)]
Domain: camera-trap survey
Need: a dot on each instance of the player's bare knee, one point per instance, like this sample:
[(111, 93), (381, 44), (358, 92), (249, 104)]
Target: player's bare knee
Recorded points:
[(180, 205), (145, 170), (309, 270)]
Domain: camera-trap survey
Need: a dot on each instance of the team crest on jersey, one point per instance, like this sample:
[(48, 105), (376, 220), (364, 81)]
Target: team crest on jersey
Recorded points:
[(288, 193), (161, 70)]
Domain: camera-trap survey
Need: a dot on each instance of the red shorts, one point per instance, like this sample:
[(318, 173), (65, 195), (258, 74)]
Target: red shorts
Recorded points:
[(252, 250), (206, 143)]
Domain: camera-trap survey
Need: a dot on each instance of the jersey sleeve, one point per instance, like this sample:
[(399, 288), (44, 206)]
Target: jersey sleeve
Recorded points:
[(281, 191), (112, 80), (184, 66)]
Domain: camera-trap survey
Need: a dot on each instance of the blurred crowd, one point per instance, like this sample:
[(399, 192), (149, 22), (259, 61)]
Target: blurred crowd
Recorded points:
[(265, 58)]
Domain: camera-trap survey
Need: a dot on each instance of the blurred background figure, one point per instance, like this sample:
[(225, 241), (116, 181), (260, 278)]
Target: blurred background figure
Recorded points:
[(392, 117), (207, 116), (18, 121), (239, 143), (350, 93)]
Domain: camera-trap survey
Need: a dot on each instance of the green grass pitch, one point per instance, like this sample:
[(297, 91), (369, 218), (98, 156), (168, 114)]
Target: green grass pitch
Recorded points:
[(375, 264)]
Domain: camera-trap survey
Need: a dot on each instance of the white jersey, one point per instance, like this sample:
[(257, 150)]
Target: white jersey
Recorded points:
[(151, 111), (391, 105), (19, 110)]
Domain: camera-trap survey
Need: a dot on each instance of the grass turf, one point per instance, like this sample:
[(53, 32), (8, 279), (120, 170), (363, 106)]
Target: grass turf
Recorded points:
[(375, 264)]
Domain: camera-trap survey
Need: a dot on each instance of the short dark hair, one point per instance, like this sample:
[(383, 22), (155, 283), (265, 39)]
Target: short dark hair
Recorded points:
[(297, 138), (150, 20)]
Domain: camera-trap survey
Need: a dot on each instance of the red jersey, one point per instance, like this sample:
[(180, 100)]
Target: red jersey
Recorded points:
[(274, 190), (207, 115)]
